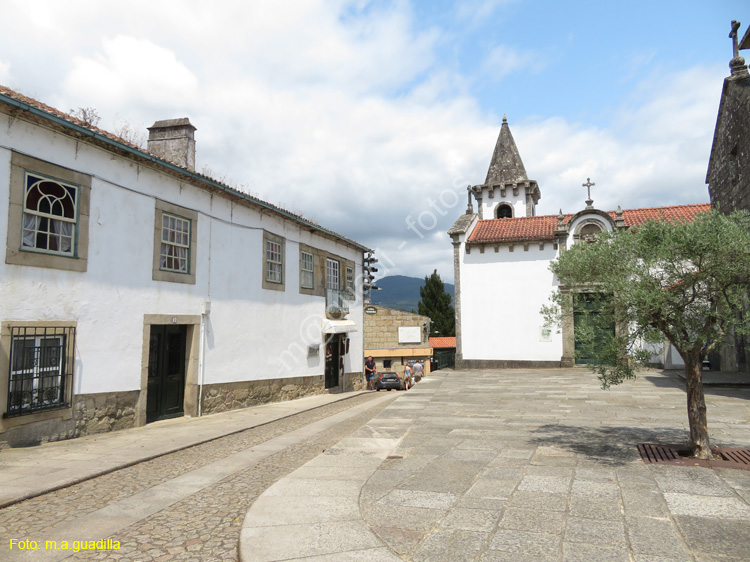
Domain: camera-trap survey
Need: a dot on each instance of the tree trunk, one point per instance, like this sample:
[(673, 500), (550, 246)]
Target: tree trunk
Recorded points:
[(696, 406)]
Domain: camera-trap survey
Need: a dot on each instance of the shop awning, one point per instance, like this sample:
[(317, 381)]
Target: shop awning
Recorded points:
[(339, 326)]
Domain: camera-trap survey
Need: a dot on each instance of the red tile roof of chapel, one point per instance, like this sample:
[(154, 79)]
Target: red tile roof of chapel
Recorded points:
[(443, 341), (543, 227)]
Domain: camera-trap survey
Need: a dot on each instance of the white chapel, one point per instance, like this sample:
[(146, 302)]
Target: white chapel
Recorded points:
[(501, 255)]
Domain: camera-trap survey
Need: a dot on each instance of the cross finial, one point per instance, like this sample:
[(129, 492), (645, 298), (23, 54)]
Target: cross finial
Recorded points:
[(733, 37), (588, 185)]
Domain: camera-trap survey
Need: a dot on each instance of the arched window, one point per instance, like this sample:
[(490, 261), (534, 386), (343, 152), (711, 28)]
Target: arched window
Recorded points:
[(589, 232), (49, 215), (504, 211)]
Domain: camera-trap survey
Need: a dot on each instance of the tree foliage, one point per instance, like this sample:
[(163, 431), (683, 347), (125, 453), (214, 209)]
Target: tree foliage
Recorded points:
[(88, 115), (436, 304), (683, 282)]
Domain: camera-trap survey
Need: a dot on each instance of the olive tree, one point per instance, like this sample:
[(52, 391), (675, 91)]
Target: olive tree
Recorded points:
[(680, 281)]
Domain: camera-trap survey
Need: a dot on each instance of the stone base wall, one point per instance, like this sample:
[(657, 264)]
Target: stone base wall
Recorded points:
[(107, 411), (229, 396), (505, 364), (353, 382), (36, 433)]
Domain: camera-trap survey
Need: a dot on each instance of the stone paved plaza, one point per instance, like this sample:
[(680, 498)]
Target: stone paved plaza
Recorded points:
[(516, 465)]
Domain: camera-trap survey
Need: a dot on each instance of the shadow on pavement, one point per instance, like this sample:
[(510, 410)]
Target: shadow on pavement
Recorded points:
[(729, 390), (614, 446)]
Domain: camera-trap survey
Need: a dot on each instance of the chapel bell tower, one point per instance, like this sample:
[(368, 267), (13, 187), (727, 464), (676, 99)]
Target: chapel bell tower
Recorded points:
[(507, 192)]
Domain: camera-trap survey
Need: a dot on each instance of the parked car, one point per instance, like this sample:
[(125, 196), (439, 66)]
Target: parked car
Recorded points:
[(389, 380)]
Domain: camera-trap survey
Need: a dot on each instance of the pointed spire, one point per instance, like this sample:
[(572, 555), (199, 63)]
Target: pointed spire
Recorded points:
[(506, 165)]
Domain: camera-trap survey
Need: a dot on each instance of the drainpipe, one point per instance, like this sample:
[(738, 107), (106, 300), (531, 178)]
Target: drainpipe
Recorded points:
[(205, 311)]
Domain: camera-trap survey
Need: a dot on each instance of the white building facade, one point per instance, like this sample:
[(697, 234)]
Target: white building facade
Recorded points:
[(134, 289), (502, 255)]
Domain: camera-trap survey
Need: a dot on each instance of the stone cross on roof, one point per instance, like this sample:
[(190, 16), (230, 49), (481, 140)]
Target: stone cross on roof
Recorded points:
[(588, 185), (737, 64)]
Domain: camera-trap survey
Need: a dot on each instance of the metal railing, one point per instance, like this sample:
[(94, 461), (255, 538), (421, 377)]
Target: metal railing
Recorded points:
[(337, 304)]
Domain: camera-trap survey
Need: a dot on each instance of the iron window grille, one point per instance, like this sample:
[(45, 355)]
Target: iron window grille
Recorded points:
[(40, 369)]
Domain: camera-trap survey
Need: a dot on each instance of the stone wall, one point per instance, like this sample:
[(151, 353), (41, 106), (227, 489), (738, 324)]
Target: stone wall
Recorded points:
[(728, 174), (729, 182), (107, 411), (381, 328), (229, 396)]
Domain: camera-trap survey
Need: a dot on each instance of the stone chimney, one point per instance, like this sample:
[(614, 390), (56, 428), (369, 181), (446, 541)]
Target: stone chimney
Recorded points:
[(173, 140)]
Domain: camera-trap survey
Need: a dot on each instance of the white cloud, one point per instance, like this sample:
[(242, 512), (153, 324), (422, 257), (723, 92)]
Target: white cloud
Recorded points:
[(131, 69), (340, 110), (4, 72), (478, 10), (503, 60), (656, 152)]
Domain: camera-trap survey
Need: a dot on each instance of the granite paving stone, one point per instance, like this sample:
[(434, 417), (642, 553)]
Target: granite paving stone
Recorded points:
[(656, 537), (595, 531), (466, 519), (525, 542), (551, 522), (448, 545), (715, 537)]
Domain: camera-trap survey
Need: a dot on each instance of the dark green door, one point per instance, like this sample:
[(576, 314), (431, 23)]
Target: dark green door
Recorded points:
[(166, 372), (589, 318)]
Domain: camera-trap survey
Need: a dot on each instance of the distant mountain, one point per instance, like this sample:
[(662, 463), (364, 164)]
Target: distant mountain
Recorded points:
[(401, 292)]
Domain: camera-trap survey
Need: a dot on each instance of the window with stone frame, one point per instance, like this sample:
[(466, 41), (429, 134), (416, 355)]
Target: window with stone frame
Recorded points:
[(50, 215), (174, 253), (274, 261), (350, 283), (40, 368), (332, 274), (307, 270)]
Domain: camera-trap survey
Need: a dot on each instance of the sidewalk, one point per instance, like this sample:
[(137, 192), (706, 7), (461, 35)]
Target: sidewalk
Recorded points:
[(516, 465), (27, 472)]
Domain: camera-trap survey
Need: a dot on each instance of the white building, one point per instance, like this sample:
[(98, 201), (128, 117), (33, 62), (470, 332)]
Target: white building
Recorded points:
[(502, 255), (134, 288)]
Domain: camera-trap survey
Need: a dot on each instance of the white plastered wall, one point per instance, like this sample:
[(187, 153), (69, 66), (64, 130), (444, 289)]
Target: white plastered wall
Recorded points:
[(518, 202), (501, 297), (249, 329)]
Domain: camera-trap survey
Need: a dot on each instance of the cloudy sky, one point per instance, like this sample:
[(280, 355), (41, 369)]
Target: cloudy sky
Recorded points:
[(367, 116)]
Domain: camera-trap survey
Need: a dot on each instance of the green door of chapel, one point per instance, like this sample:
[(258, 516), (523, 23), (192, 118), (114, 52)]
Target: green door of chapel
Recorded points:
[(589, 318)]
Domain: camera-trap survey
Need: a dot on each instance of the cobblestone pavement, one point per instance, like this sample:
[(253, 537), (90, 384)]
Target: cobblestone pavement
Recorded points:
[(517, 465), (202, 527)]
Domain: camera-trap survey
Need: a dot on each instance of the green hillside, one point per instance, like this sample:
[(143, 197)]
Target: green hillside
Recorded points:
[(401, 292)]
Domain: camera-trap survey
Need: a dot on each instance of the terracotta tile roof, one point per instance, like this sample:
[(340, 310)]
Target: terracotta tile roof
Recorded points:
[(202, 179), (443, 341), (543, 227)]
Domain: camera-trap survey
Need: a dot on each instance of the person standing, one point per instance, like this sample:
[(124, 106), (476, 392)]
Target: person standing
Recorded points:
[(408, 381), (418, 371), (369, 372)]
